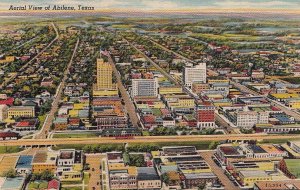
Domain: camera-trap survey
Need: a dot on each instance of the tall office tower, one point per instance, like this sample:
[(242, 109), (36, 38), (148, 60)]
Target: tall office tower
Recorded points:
[(144, 87), (194, 74), (104, 75)]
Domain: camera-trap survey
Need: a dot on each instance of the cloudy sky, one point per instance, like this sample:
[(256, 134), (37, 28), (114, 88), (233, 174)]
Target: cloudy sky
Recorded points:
[(148, 5)]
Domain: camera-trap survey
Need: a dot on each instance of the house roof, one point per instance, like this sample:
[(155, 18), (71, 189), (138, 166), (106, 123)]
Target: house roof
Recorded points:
[(8, 101), (53, 184), (8, 134)]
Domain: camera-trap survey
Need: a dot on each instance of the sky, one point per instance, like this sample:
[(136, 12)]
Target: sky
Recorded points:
[(161, 5)]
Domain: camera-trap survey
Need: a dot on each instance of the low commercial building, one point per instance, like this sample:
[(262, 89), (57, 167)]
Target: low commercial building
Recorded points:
[(198, 87), (178, 150), (26, 125), (248, 178), (148, 179), (9, 136), (21, 111), (69, 165), (123, 177), (44, 160), (117, 132), (226, 152), (23, 165), (193, 180)]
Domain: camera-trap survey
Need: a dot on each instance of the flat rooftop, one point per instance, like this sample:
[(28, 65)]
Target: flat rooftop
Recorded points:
[(230, 150), (147, 173), (254, 173), (24, 161)]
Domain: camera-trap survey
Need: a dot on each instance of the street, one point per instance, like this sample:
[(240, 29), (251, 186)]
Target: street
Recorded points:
[(147, 139), (94, 161), (128, 103), (31, 60), (207, 156), (50, 117)]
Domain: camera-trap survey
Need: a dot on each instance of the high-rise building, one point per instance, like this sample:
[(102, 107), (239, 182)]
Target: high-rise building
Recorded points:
[(144, 87), (205, 116), (194, 74), (104, 75)]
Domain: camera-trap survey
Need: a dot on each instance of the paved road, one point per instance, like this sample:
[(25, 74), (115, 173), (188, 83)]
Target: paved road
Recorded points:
[(128, 103), (243, 88), (94, 160), (207, 156), (50, 117), (164, 72), (146, 139), (224, 124), (171, 51), (31, 60), (154, 64)]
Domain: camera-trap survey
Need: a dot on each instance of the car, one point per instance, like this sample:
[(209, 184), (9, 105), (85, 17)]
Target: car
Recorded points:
[(235, 183)]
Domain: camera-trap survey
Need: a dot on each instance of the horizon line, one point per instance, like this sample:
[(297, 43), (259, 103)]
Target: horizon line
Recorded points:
[(202, 10)]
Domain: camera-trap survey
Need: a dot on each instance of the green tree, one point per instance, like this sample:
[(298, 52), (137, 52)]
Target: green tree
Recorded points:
[(47, 175), (165, 178), (10, 173), (213, 145)]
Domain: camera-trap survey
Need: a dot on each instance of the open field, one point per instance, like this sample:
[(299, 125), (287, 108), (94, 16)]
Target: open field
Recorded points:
[(76, 135)]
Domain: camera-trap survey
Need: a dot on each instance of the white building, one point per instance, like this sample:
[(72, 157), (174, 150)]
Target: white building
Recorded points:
[(144, 87), (194, 74), (247, 119), (3, 112)]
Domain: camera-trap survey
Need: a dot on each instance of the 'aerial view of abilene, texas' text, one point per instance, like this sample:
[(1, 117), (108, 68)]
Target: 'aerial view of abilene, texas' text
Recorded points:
[(149, 94)]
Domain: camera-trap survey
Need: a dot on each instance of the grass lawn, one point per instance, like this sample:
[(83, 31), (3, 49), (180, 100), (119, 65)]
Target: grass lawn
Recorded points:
[(71, 188), (293, 166), (199, 145), (70, 182), (10, 149), (38, 185), (42, 119), (86, 178), (146, 133), (76, 135), (278, 141), (30, 137), (69, 146)]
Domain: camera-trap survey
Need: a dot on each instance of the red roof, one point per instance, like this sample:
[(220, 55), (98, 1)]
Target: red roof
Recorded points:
[(8, 101), (8, 134), (23, 124), (53, 184), (149, 118)]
